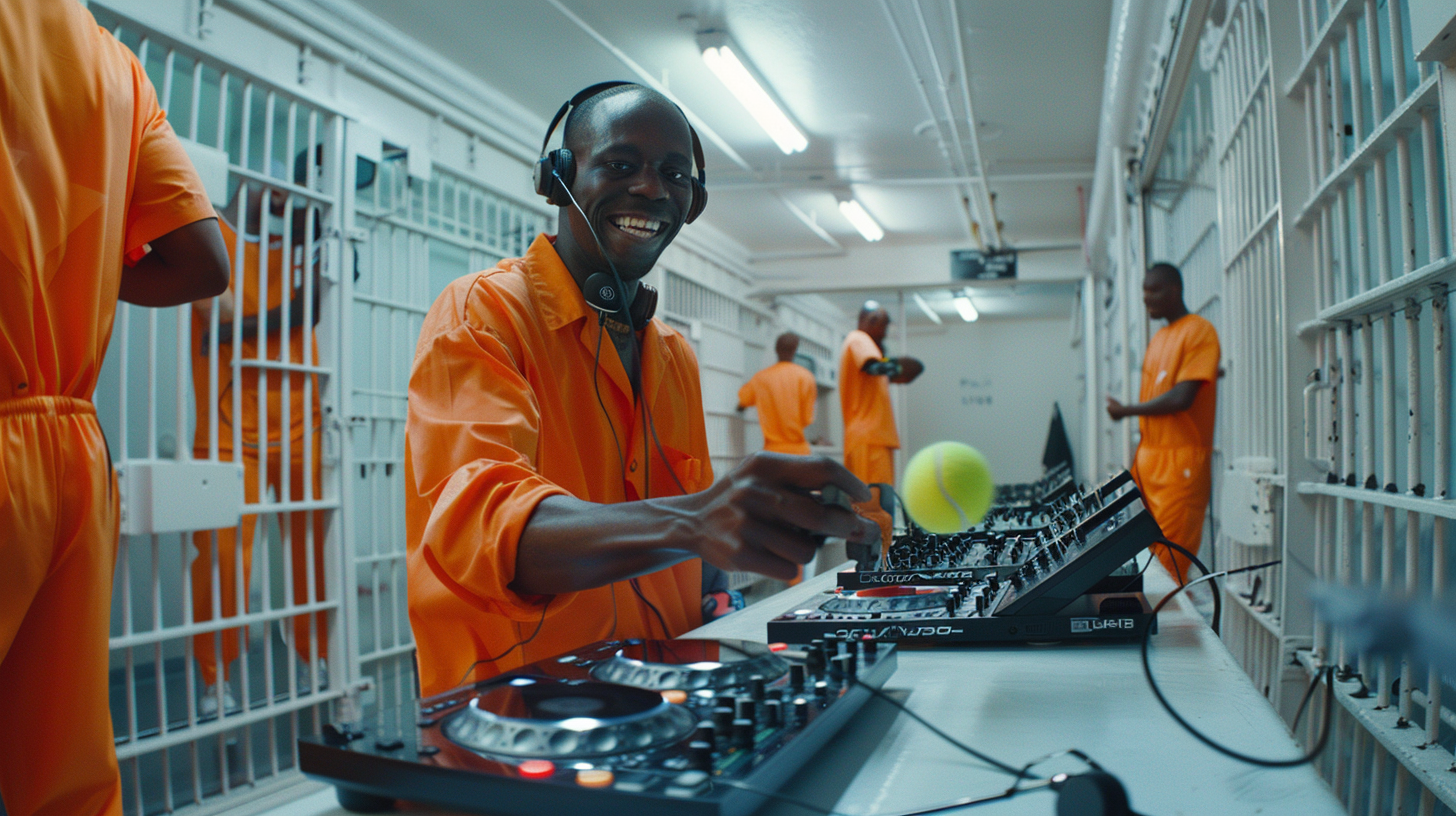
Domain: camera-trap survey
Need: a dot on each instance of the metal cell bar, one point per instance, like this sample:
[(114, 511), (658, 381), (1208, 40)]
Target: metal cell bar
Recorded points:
[(1413, 478), (1405, 117), (1347, 463), (1430, 164)]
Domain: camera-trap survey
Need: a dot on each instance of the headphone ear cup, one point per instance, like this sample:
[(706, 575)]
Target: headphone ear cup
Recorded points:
[(553, 170), (699, 202)]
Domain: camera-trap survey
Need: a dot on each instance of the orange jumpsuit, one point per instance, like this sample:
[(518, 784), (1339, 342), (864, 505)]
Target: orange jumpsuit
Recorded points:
[(90, 172), (1172, 462), (503, 414), (870, 438), (302, 456), (784, 393)]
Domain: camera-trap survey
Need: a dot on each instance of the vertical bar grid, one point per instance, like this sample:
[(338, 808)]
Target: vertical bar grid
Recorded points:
[(178, 745), (1385, 387)]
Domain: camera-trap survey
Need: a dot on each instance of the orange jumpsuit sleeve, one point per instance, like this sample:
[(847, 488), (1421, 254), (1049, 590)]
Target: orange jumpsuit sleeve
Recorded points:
[(167, 193), (472, 446), (747, 395), (1199, 360), (861, 349)]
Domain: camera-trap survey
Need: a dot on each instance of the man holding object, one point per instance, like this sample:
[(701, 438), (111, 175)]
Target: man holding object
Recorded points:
[(1175, 416)]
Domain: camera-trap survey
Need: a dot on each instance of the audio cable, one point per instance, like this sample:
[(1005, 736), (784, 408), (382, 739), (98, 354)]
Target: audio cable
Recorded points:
[(1327, 672)]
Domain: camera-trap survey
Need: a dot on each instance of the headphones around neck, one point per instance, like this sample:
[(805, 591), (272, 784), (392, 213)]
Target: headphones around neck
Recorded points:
[(558, 166)]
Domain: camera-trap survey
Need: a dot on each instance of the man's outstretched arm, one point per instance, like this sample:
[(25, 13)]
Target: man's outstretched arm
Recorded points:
[(1175, 400), (759, 518)]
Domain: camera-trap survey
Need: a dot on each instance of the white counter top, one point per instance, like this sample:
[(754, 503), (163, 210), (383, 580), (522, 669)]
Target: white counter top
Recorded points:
[(1020, 702)]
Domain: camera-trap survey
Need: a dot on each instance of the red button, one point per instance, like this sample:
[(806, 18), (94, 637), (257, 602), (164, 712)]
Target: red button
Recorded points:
[(777, 647), (537, 769)]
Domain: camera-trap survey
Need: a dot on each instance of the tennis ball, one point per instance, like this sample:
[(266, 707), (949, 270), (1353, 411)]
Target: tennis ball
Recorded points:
[(947, 487)]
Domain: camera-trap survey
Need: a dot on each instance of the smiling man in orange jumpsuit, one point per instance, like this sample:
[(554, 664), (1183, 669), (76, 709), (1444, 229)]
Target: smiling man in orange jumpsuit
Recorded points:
[(90, 173), (540, 518), (870, 437), (784, 394), (300, 454), (1175, 412)]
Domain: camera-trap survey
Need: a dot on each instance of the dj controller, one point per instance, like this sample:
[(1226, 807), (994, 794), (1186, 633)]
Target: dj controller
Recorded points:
[(1049, 580), (701, 727)]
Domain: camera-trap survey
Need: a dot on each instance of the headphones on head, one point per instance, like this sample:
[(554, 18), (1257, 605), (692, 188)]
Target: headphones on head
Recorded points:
[(558, 167)]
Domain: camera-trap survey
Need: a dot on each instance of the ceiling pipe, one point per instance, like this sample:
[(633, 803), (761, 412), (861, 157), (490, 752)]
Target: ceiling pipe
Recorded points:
[(1130, 40), (645, 78), (924, 98), (974, 136), (980, 209)]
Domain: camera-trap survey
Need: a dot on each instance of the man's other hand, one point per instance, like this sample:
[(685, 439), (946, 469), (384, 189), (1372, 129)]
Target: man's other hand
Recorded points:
[(910, 368), (1116, 410), (762, 517)]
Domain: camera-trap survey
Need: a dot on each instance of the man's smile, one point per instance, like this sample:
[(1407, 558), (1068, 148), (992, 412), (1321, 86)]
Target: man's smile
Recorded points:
[(636, 226)]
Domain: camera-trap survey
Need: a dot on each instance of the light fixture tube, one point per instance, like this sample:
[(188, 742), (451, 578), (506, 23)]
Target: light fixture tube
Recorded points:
[(967, 309), (861, 220), (731, 72), (925, 307)]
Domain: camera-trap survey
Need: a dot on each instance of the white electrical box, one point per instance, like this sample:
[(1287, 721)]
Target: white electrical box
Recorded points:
[(1433, 30), (1246, 501), (163, 496)]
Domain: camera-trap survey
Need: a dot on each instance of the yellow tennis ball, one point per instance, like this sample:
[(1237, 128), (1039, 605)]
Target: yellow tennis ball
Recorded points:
[(947, 487)]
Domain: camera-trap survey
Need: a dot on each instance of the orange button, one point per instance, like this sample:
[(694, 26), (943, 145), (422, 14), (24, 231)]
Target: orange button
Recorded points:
[(537, 768), (594, 778), (675, 696)]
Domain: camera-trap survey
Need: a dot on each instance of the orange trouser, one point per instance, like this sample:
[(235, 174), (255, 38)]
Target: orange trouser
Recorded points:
[(873, 464), (1175, 483), (295, 528), (58, 537)]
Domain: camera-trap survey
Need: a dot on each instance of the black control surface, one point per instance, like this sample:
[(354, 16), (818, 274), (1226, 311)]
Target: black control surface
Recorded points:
[(640, 727)]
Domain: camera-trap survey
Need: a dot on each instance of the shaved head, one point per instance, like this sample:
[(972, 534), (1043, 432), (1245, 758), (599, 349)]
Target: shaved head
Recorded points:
[(874, 320), (1167, 273), (584, 124), (786, 346), (1163, 292)]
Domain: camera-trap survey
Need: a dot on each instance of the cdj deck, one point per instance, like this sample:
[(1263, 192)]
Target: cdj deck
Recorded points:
[(1058, 584), (702, 727)]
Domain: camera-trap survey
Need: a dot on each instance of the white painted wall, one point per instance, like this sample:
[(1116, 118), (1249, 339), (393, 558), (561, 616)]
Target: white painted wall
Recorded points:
[(991, 384)]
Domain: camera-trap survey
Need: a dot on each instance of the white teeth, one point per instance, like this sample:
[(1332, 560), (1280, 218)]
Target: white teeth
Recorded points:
[(632, 224)]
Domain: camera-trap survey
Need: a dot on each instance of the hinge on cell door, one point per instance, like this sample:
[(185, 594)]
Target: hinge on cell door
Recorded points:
[(349, 709), (204, 19), (358, 235), (333, 437)]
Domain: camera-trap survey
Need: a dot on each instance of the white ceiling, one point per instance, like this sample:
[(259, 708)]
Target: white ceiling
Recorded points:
[(1035, 68)]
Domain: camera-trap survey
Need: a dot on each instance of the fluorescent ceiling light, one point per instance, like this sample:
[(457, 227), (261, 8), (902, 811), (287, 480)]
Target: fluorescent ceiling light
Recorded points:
[(731, 72), (861, 220), (967, 309), (925, 307)]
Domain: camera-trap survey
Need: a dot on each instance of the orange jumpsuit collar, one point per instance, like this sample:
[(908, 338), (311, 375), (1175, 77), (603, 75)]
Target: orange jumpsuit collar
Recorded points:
[(561, 303)]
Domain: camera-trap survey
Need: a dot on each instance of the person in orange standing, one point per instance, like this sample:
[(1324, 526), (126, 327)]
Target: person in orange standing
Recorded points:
[(97, 199), (784, 394), (300, 452), (1175, 412), (870, 437), (558, 489)]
